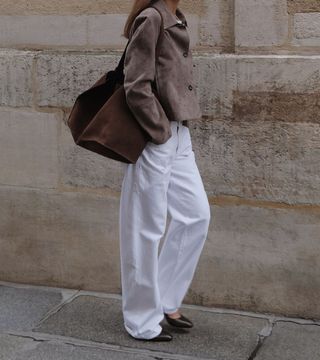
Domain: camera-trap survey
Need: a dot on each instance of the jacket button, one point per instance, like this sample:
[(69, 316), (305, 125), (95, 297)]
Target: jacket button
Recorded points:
[(190, 87), (185, 54)]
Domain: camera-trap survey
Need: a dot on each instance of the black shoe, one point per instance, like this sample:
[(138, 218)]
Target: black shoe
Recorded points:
[(181, 322), (163, 336)]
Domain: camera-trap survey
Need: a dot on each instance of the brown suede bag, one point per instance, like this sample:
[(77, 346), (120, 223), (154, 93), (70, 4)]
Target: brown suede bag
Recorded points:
[(101, 121)]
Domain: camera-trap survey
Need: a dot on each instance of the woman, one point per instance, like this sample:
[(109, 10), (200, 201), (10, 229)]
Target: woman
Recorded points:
[(160, 92)]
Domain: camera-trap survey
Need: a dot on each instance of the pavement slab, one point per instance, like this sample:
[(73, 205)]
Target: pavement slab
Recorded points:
[(214, 336), (19, 348), (12, 346), (22, 308), (291, 341), (55, 324)]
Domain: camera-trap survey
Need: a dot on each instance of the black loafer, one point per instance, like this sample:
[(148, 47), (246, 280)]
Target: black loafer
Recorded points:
[(163, 336), (181, 322)]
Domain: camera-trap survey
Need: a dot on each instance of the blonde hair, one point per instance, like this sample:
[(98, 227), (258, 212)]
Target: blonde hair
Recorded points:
[(137, 7)]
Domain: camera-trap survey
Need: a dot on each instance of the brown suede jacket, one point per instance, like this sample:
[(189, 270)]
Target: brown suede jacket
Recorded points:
[(175, 97)]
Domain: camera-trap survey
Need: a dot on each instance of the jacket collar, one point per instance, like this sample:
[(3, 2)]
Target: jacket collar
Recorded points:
[(168, 18)]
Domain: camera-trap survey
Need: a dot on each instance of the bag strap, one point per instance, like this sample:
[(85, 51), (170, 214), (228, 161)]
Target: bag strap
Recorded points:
[(119, 68), (161, 34)]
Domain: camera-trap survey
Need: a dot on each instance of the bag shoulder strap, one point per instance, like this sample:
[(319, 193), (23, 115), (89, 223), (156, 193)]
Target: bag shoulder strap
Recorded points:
[(161, 34), (119, 68)]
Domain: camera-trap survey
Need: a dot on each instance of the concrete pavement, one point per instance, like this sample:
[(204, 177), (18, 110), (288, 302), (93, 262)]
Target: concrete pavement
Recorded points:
[(52, 323)]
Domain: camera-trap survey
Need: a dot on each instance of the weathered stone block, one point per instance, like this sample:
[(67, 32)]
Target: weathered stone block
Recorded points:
[(62, 7), (281, 73), (79, 7), (215, 77), (61, 78), (291, 340), (70, 239), (277, 106), (23, 308), (260, 23), (66, 239), (106, 30), (217, 24), (300, 6), (29, 143), (16, 77), (97, 30), (81, 167), (260, 258), (277, 95), (306, 29), (42, 30), (268, 160)]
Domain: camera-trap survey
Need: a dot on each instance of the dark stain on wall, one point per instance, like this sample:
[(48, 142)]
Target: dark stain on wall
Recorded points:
[(296, 6), (288, 107)]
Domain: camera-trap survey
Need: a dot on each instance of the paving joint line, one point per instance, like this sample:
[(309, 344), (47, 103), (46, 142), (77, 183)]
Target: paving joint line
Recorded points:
[(44, 337), (300, 322), (54, 310), (262, 336)]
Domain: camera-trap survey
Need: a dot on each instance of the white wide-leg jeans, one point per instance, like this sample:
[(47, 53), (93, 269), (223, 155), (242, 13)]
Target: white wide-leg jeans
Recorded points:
[(164, 179)]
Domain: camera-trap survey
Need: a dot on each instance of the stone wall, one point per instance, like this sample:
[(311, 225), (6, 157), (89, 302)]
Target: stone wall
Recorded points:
[(257, 70)]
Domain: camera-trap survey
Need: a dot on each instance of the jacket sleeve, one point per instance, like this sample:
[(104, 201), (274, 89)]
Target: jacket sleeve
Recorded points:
[(139, 72)]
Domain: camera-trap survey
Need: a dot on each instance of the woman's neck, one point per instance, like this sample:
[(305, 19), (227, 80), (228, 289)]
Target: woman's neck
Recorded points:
[(172, 5)]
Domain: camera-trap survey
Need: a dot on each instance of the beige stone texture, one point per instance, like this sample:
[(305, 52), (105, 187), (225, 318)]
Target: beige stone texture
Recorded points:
[(216, 78), (78, 7), (307, 29), (217, 25), (210, 25), (60, 238), (29, 143), (16, 78), (260, 23), (60, 78), (36, 31), (277, 106), (262, 258), (295, 73), (251, 158), (299, 6), (79, 167)]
